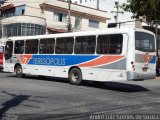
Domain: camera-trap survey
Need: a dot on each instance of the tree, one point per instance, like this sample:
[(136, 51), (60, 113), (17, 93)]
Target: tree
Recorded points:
[(148, 8)]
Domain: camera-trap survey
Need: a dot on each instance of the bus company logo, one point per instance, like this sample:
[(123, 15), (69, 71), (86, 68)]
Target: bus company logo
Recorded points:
[(147, 58), (24, 59)]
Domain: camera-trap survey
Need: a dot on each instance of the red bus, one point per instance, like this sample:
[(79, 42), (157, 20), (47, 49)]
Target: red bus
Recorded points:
[(1, 55)]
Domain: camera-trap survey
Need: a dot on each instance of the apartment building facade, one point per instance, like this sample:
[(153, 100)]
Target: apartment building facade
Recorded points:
[(115, 12), (36, 17)]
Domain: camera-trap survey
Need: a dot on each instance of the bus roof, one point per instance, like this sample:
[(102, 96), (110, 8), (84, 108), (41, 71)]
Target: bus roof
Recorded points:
[(82, 33)]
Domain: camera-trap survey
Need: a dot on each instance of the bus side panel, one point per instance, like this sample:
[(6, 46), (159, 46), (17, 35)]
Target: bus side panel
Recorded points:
[(8, 67), (104, 75), (113, 71), (46, 70)]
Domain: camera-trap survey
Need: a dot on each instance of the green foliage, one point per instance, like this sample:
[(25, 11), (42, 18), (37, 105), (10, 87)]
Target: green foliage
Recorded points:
[(148, 8)]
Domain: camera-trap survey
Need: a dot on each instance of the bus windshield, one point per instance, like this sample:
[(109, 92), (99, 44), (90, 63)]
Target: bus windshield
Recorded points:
[(144, 42)]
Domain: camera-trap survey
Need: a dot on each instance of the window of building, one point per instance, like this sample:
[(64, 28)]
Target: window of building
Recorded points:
[(46, 46), (93, 23), (64, 45), (110, 44), (19, 47), (20, 10), (8, 13), (31, 47), (22, 29), (60, 17), (85, 45)]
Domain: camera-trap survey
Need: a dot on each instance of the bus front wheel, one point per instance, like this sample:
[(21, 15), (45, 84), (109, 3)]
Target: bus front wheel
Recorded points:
[(75, 76), (19, 71)]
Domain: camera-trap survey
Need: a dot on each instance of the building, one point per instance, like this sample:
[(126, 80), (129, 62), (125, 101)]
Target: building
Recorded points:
[(21, 19), (82, 18), (35, 17), (114, 11)]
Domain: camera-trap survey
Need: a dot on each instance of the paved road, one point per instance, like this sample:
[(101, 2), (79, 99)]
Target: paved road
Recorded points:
[(32, 98)]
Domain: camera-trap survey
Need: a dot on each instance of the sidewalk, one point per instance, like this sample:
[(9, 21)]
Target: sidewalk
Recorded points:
[(158, 78)]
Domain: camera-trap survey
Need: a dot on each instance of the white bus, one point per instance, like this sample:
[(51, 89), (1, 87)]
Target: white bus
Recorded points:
[(103, 55)]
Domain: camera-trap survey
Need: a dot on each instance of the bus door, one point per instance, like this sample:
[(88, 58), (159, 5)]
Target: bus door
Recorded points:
[(8, 66), (8, 51), (145, 53)]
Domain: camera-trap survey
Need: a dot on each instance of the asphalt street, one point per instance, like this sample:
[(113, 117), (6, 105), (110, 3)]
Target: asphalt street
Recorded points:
[(32, 98)]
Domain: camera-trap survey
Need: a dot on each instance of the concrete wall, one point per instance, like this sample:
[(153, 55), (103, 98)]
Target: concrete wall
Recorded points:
[(33, 11), (79, 11)]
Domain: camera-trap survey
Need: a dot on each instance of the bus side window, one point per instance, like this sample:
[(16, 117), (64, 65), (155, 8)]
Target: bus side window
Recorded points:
[(109, 44), (85, 45), (47, 46), (64, 45), (31, 47), (22, 49), (19, 47)]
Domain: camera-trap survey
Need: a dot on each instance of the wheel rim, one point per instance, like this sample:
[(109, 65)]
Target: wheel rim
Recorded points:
[(19, 71), (75, 77)]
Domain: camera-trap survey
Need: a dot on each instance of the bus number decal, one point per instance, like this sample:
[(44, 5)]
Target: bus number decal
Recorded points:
[(24, 59), (147, 58)]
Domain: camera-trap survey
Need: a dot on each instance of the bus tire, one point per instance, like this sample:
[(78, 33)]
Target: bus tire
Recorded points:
[(19, 71), (75, 76)]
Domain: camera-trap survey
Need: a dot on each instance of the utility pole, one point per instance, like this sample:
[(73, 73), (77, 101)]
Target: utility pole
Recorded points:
[(117, 6), (97, 4), (69, 26), (156, 35), (1, 27)]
